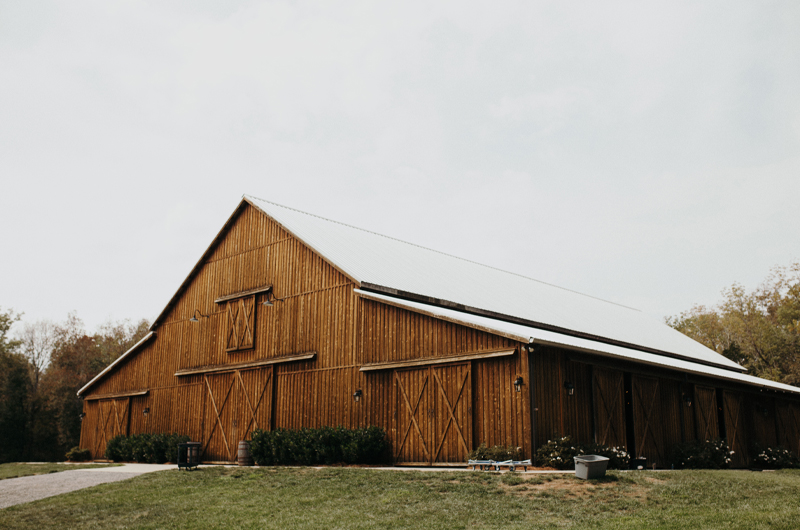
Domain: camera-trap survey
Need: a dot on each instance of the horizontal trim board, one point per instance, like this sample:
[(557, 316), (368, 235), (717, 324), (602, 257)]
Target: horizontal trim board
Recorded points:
[(132, 393), (240, 366), (426, 361), (242, 294)]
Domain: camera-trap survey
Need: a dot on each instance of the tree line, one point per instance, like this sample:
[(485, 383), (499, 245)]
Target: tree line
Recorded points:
[(759, 329), (42, 366)]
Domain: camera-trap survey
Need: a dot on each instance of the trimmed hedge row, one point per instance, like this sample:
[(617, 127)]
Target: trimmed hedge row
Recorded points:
[(156, 448), (326, 445)]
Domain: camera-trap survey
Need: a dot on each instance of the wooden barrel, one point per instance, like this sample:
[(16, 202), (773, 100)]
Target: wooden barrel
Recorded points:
[(243, 457)]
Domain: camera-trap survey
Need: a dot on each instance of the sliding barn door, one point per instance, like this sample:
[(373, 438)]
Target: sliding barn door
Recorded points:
[(705, 413), (112, 420), (452, 412), (735, 428), (253, 402), (433, 414), (219, 438), (647, 426), (609, 403), (236, 403), (788, 425)]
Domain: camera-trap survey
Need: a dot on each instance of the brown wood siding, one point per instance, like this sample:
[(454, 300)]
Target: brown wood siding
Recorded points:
[(559, 413), (762, 421), (676, 418)]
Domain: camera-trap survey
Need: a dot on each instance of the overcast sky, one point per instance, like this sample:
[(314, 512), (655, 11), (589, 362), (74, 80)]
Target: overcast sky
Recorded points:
[(643, 152)]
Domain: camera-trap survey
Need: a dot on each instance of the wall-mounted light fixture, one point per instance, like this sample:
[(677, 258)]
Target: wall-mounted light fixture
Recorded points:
[(529, 346), (570, 388), (146, 411), (196, 314), (357, 395), (518, 382), (81, 416), (269, 303), (687, 400)]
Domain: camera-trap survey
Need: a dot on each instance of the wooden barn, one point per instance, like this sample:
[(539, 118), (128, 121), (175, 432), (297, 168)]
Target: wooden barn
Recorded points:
[(290, 320)]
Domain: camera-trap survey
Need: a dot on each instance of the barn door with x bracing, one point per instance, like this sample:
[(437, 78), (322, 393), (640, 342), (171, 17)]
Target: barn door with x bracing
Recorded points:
[(236, 403), (433, 414), (112, 421), (735, 428), (705, 413), (609, 404), (647, 422)]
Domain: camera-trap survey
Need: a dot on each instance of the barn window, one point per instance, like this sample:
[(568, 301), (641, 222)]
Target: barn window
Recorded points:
[(240, 323)]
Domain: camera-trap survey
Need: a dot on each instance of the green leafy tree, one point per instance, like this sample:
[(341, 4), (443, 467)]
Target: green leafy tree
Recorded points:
[(759, 330)]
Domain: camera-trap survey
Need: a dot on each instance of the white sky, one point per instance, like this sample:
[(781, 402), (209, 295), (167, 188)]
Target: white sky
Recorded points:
[(643, 152)]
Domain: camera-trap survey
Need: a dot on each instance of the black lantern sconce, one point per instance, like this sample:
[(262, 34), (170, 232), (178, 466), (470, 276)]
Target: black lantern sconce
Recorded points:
[(357, 395), (146, 411), (81, 416), (687, 400), (196, 314), (518, 382), (570, 388), (269, 303), (529, 347)]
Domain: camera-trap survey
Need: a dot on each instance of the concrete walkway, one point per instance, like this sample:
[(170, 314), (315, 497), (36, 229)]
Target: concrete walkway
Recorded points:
[(32, 488)]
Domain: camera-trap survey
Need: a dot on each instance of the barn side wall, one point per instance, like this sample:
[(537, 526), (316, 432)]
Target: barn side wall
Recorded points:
[(648, 410)]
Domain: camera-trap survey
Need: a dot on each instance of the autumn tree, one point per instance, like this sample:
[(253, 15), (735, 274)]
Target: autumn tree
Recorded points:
[(759, 330)]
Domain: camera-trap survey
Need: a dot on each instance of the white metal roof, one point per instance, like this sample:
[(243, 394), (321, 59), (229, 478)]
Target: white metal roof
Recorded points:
[(371, 258), (540, 336)]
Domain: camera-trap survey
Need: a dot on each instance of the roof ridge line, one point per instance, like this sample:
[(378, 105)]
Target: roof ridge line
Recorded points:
[(443, 253)]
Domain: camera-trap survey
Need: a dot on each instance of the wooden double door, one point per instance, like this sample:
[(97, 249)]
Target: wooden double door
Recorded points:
[(235, 403), (111, 418), (432, 421)]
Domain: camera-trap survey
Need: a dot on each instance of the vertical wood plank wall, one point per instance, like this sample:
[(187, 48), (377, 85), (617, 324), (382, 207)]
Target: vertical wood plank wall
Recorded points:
[(462, 406)]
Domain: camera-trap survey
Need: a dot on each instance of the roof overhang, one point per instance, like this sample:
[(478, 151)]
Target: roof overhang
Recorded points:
[(119, 359)]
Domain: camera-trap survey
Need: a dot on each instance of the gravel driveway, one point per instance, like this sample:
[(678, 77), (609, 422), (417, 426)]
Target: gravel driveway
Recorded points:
[(26, 489)]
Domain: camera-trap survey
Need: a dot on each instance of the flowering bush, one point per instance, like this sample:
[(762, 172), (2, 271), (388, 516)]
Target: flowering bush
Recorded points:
[(559, 453), (701, 454), (774, 458)]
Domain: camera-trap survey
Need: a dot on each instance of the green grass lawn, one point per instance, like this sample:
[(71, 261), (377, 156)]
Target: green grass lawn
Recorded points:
[(289, 498), (23, 470)]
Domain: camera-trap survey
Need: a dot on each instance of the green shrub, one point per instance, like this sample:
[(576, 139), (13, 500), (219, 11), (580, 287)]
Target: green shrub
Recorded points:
[(325, 445), (774, 458), (560, 452), (76, 454), (701, 454), (498, 453), (155, 448)]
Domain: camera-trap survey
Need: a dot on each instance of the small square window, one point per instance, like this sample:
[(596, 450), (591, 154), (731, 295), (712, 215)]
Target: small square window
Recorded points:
[(240, 324)]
